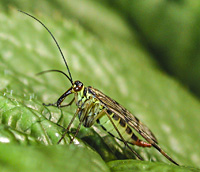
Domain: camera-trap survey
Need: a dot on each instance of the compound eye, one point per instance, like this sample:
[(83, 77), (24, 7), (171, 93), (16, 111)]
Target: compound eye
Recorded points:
[(78, 86)]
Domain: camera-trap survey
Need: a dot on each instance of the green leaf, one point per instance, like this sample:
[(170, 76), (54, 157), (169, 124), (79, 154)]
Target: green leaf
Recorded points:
[(133, 165), (50, 158), (132, 79)]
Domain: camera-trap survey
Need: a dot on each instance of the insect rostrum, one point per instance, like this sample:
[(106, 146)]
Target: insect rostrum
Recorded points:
[(94, 106)]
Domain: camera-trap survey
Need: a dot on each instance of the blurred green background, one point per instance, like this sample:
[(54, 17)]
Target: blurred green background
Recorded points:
[(144, 54)]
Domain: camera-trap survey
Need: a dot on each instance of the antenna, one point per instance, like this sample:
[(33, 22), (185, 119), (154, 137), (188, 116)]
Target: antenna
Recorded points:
[(70, 77), (54, 70)]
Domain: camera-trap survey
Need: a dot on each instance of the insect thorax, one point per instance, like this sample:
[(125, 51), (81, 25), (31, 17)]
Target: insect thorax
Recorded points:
[(89, 106)]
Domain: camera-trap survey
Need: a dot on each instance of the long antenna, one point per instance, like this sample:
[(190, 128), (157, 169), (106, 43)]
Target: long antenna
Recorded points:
[(70, 77), (54, 70)]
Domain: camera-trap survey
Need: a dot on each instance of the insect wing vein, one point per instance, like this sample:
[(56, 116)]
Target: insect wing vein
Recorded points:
[(123, 113)]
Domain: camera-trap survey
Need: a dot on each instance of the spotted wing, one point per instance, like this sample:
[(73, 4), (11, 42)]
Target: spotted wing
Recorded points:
[(123, 113)]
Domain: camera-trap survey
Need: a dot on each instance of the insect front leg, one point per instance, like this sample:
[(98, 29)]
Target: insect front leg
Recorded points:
[(60, 100), (68, 104), (60, 106)]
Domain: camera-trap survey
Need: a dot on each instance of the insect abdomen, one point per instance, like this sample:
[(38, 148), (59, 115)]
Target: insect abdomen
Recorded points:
[(124, 129), (121, 125)]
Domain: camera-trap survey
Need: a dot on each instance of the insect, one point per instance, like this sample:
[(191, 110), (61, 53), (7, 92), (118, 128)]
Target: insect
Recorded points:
[(93, 106)]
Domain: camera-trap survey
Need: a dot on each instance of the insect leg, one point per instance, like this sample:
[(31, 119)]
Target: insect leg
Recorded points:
[(50, 104), (163, 153), (55, 104), (81, 120), (82, 117), (68, 104), (69, 125), (61, 98), (126, 144), (77, 130)]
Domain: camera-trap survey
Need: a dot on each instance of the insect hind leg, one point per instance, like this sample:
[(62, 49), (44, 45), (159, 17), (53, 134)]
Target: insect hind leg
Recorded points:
[(121, 137), (164, 154)]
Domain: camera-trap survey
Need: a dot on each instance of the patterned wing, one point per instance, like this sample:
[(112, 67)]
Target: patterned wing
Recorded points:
[(132, 121), (123, 113)]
